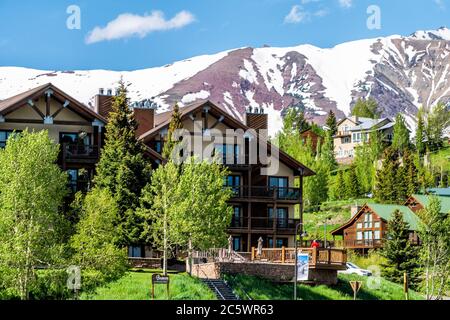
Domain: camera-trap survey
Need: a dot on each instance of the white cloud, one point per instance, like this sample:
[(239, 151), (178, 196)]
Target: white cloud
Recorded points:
[(346, 3), (130, 25), (296, 15), (440, 3)]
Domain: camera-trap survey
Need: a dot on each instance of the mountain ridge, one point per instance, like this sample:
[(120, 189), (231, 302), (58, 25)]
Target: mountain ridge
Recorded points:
[(400, 72)]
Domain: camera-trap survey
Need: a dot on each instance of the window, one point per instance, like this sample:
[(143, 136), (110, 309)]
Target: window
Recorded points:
[(78, 179), (236, 243), (76, 138), (281, 243), (368, 221), (359, 235), (281, 184), (237, 217), (377, 224), (229, 153), (233, 182), (377, 235), (4, 136), (368, 235), (282, 217), (134, 252), (359, 226), (346, 140), (158, 147)]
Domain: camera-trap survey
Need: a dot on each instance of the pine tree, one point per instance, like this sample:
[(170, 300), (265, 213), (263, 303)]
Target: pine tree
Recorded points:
[(401, 140), (412, 178), (386, 184), (420, 133), (352, 187), (339, 186), (175, 124), (332, 123), (122, 169), (366, 108), (401, 256)]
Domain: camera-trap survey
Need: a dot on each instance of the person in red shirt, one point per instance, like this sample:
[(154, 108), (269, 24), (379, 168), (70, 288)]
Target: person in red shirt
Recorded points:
[(315, 244)]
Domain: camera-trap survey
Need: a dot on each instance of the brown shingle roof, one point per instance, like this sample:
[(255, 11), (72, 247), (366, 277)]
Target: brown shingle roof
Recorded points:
[(164, 120)]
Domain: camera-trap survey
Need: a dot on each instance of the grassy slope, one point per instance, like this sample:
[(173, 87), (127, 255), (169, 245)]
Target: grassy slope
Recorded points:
[(260, 289), (442, 157), (337, 211), (137, 286)]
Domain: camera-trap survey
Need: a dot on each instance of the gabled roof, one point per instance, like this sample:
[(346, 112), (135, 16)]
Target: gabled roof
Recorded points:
[(425, 200), (163, 120), (384, 211), (13, 103), (443, 192)]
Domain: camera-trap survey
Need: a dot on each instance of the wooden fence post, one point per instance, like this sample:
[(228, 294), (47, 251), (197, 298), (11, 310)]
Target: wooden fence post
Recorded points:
[(253, 253), (283, 254)]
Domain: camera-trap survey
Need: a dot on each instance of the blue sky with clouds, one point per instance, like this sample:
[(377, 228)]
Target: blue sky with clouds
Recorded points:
[(128, 35)]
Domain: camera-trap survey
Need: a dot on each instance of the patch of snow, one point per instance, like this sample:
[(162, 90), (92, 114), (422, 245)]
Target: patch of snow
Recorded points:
[(191, 97), (249, 73)]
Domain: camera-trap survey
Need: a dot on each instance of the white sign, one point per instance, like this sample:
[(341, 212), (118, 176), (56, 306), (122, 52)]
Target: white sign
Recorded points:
[(302, 266)]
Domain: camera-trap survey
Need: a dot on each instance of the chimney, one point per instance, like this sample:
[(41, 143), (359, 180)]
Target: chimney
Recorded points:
[(144, 113), (103, 102), (256, 118), (354, 209)]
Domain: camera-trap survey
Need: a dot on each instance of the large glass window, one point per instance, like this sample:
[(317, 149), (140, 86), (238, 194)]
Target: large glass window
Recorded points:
[(359, 235), (4, 136), (229, 153), (377, 235), (237, 217), (368, 218), (281, 184), (233, 182), (282, 217)]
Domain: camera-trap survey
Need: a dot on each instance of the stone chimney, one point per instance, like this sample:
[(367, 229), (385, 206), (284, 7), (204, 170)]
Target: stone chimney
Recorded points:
[(354, 209), (103, 102), (256, 118)]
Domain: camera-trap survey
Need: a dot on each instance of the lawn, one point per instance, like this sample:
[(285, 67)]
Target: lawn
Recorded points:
[(136, 285), (260, 289)]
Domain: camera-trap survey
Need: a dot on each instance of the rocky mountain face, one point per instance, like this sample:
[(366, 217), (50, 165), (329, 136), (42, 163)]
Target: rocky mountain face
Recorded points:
[(400, 73)]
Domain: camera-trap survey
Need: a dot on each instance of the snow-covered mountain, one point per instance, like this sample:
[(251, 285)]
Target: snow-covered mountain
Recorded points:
[(401, 73)]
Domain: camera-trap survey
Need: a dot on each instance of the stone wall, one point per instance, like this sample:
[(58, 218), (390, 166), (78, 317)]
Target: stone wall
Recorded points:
[(270, 271)]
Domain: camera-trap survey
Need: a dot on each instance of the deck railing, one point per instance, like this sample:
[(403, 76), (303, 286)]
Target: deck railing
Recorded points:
[(317, 256), (276, 193), (264, 223), (79, 152)]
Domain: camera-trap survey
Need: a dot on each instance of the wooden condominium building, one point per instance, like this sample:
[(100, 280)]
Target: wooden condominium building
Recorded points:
[(367, 229), (78, 129), (265, 205)]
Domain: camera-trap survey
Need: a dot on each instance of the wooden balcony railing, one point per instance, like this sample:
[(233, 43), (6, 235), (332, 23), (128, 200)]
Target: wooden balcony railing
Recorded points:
[(79, 152), (318, 257), (273, 193), (363, 243), (264, 223)]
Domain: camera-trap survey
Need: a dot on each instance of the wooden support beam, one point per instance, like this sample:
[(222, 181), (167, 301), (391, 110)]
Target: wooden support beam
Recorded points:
[(33, 106), (63, 106)]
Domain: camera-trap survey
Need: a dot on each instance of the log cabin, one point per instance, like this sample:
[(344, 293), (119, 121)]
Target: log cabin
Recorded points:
[(367, 229)]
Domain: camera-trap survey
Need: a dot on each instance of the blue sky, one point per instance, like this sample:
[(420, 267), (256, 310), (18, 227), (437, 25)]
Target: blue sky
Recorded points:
[(34, 33)]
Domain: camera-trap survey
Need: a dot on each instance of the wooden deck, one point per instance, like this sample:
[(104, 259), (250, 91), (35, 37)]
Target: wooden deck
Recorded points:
[(320, 258)]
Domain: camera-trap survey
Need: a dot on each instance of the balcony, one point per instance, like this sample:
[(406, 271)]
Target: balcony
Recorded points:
[(363, 244), (269, 193), (79, 153), (265, 223)]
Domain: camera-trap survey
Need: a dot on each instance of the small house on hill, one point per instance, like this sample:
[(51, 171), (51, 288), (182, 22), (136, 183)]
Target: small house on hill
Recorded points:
[(313, 136), (368, 227), (418, 202)]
